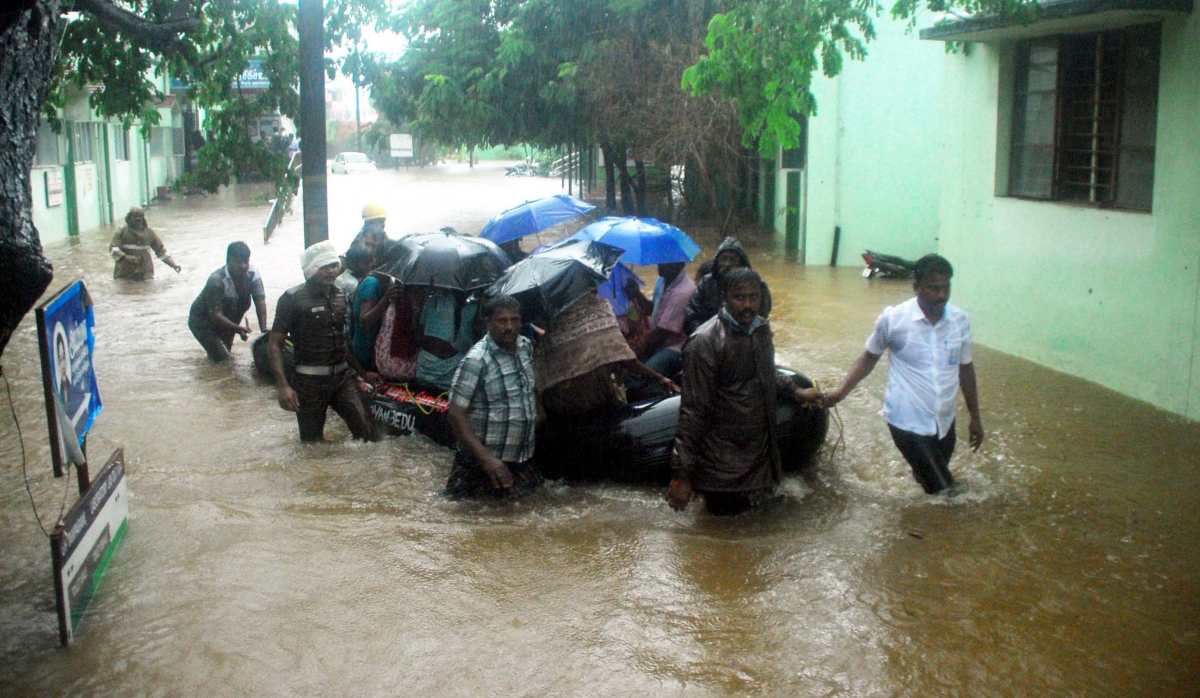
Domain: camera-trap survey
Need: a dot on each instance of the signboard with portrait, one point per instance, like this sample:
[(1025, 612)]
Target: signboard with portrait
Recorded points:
[(65, 336)]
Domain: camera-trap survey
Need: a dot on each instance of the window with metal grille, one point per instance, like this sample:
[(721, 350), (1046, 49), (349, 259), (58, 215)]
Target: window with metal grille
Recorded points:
[(120, 139), (83, 134), (1085, 108), (47, 153)]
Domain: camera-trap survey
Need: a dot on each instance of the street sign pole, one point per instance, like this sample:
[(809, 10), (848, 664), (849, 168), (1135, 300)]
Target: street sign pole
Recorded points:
[(312, 120)]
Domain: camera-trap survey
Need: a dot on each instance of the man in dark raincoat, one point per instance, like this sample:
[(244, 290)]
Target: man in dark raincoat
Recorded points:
[(706, 301), (725, 446), (131, 247)]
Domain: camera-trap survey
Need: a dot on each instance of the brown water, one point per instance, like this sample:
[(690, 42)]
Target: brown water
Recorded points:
[(255, 565)]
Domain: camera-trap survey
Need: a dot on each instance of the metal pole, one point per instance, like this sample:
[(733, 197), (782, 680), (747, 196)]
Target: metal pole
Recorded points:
[(357, 116), (312, 120)]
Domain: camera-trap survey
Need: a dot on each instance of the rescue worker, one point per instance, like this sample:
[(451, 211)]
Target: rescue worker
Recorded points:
[(372, 234), (216, 314), (131, 246), (313, 316), (725, 445)]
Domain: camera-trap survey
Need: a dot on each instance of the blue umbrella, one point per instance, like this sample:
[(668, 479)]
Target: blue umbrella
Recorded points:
[(613, 290), (645, 240), (532, 216)]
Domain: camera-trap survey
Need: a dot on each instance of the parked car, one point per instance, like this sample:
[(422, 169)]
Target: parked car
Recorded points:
[(349, 163)]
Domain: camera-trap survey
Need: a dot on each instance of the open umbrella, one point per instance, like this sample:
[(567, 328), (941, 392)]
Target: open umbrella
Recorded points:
[(532, 216), (548, 282), (645, 240), (613, 290), (447, 260)]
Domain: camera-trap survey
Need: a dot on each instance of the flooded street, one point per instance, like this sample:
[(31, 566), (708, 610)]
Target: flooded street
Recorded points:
[(254, 565)]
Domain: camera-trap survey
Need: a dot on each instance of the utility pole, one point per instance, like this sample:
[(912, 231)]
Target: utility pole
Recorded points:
[(357, 117), (312, 120)]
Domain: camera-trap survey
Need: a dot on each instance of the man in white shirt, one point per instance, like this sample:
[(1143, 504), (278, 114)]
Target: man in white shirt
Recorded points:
[(930, 345)]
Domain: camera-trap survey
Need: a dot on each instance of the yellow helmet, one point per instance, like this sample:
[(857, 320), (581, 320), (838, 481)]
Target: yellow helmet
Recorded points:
[(373, 211)]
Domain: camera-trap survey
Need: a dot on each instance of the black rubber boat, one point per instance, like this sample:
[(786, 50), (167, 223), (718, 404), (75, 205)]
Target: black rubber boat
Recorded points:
[(630, 444)]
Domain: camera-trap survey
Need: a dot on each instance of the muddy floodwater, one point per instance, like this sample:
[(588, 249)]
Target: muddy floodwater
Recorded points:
[(254, 565)]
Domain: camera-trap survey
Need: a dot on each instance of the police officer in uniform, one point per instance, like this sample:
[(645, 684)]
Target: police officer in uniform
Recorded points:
[(313, 316)]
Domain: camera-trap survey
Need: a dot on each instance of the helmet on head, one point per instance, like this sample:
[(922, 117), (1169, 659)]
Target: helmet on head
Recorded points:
[(373, 211)]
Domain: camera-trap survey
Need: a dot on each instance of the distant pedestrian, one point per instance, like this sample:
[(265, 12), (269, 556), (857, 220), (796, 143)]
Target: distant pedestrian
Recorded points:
[(929, 342), (216, 314), (131, 246), (313, 316), (494, 410), (725, 446)]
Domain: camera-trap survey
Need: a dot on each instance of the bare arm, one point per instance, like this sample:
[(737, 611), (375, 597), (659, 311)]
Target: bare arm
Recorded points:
[(260, 308), (970, 390), (371, 312), (220, 321), (635, 366), (861, 369), (460, 426), (287, 397)]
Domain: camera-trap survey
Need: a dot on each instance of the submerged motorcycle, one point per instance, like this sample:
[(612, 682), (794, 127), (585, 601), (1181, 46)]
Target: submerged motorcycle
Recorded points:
[(887, 266)]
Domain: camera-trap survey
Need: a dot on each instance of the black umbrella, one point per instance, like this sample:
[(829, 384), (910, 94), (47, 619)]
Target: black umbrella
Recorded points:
[(446, 260), (547, 282)]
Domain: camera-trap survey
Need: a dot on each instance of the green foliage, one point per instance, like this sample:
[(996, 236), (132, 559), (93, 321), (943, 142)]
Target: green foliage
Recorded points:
[(112, 62), (763, 53)]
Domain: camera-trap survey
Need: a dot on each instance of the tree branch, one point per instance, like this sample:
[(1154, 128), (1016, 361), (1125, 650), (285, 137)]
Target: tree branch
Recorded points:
[(160, 37)]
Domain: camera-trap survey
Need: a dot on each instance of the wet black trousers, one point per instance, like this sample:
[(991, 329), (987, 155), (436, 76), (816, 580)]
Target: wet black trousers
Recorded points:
[(217, 346), (468, 481), (929, 457), (319, 393)]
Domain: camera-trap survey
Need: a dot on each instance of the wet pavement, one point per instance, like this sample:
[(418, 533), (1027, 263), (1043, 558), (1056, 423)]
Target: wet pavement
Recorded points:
[(256, 565)]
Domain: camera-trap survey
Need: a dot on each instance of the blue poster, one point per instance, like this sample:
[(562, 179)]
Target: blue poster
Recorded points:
[(67, 325)]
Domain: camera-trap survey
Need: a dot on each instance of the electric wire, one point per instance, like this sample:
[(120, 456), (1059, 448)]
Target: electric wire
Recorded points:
[(24, 463)]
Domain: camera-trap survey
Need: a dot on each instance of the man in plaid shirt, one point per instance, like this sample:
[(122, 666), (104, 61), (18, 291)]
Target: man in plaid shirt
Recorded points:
[(494, 410)]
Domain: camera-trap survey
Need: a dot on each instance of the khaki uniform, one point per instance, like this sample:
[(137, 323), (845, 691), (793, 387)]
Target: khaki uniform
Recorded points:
[(315, 321), (135, 245)]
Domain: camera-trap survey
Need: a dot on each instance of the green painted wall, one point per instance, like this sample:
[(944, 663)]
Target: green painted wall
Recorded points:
[(873, 157), (1106, 295)]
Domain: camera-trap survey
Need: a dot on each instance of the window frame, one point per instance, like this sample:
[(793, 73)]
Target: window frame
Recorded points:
[(1016, 103)]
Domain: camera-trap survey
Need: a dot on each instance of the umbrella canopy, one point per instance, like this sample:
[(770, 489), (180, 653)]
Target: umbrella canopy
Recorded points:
[(532, 216), (645, 240), (447, 260), (548, 282), (613, 290)]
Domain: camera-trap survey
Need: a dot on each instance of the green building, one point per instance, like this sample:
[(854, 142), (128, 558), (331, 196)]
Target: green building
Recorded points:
[(1071, 191), (1056, 163)]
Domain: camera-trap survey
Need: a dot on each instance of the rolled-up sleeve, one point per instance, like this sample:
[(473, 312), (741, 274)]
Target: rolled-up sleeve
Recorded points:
[(878, 342)]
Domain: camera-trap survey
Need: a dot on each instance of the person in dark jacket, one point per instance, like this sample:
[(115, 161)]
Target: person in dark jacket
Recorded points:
[(725, 446), (706, 301)]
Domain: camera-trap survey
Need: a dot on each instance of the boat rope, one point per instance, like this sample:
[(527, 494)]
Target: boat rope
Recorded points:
[(413, 399), (24, 463), (839, 444)]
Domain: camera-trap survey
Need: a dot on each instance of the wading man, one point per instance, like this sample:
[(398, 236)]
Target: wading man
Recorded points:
[(131, 246), (725, 447), (313, 316), (929, 342), (494, 410), (216, 314)]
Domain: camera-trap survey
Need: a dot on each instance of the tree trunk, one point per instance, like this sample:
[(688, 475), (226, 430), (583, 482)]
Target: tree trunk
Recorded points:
[(628, 204), (610, 177), (640, 188), (26, 62)]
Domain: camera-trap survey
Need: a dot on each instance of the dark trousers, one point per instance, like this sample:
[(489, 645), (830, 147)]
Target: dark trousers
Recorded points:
[(318, 393), (929, 457), (734, 503), (469, 481), (217, 346), (667, 363)]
